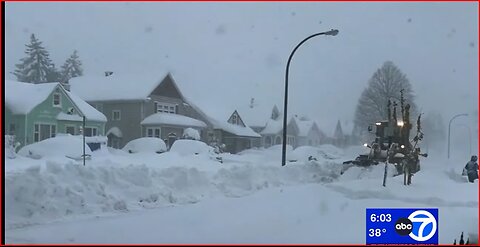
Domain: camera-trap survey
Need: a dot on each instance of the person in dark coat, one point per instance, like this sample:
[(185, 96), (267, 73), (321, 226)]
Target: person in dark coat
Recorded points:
[(472, 169)]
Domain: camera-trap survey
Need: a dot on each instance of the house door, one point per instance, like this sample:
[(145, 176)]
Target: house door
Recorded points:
[(113, 141), (172, 137)]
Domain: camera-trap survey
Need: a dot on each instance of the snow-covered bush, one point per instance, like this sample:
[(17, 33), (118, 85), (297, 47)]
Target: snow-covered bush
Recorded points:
[(191, 134), (10, 147)]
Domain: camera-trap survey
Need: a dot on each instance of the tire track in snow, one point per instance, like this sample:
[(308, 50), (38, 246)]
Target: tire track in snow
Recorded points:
[(386, 195)]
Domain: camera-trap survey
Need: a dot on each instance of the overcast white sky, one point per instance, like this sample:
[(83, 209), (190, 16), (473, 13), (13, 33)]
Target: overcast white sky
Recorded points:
[(241, 49)]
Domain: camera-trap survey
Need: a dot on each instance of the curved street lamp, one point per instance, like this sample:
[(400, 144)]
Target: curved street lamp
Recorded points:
[(332, 32), (449, 125)]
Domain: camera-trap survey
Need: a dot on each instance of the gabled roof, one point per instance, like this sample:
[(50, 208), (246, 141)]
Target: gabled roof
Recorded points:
[(276, 126), (89, 111), (217, 116), (304, 126), (116, 86), (21, 98), (256, 114), (239, 119), (242, 131), (239, 130)]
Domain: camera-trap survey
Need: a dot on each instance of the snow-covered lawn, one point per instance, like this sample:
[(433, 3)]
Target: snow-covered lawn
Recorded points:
[(249, 198)]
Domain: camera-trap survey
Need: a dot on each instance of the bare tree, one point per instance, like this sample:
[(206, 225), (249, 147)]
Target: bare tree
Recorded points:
[(384, 85)]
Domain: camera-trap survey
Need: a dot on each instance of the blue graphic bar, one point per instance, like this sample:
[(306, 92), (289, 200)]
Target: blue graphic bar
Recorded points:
[(402, 226)]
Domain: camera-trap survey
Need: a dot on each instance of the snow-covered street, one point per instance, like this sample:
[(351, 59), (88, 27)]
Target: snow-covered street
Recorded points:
[(249, 198)]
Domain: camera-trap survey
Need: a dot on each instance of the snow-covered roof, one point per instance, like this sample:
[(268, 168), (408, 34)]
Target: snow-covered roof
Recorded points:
[(218, 114), (89, 111), (304, 126), (276, 126), (22, 97), (116, 86), (256, 114), (115, 131), (173, 119), (272, 127), (234, 129)]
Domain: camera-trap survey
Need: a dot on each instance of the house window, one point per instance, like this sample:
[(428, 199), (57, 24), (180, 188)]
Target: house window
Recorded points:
[(43, 131), (11, 129), (56, 100), (116, 115), (70, 130), (165, 107), (235, 119), (90, 131), (153, 132)]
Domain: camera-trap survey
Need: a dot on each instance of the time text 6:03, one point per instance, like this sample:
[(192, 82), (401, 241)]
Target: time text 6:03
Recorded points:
[(380, 218)]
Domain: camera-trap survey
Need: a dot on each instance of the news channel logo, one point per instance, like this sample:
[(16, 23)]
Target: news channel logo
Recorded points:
[(402, 226)]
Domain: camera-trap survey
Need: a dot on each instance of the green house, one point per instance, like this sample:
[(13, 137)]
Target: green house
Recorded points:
[(34, 112)]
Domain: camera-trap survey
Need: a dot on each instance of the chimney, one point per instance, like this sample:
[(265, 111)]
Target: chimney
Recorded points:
[(108, 73)]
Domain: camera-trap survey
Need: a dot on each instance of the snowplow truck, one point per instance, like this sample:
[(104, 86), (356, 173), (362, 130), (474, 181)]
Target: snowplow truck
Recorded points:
[(392, 143)]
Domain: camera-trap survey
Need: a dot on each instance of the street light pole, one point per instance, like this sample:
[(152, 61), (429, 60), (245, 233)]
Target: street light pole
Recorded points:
[(332, 32), (449, 125)]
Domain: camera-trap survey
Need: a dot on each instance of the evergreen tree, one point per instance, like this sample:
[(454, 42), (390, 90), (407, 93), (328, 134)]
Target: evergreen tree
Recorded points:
[(36, 67), (72, 67), (339, 136)]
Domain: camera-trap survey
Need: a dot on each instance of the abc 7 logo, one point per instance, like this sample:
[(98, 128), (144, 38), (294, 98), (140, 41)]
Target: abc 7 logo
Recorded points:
[(404, 226)]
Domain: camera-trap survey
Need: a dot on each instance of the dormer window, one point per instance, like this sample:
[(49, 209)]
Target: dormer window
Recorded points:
[(57, 100), (165, 107)]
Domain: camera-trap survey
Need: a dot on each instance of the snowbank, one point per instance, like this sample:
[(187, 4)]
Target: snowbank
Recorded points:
[(47, 190), (50, 191)]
